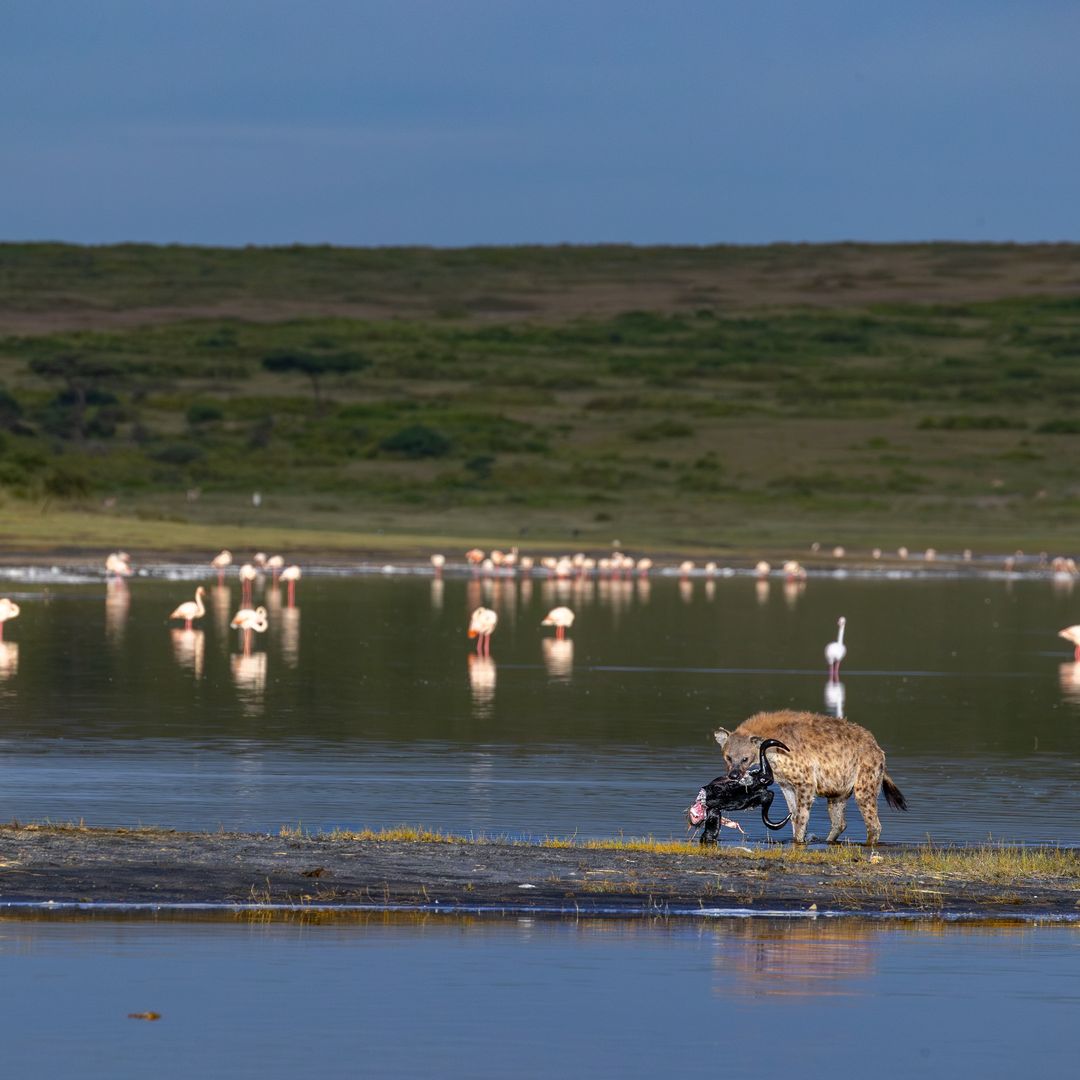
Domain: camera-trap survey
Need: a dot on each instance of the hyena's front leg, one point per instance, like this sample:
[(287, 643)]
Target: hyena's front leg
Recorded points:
[(799, 801)]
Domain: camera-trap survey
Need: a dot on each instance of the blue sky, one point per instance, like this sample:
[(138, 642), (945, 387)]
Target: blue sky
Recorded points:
[(453, 122)]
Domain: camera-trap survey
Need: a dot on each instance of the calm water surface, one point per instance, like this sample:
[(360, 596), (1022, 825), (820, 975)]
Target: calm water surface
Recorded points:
[(444, 997), (363, 706)]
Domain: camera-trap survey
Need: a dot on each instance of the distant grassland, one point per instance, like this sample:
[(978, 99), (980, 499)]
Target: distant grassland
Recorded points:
[(676, 398)]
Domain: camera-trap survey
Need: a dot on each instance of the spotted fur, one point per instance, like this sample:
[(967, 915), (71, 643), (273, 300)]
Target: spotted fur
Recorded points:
[(829, 757)]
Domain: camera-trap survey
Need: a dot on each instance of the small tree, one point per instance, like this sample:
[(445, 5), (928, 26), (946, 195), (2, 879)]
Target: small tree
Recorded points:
[(314, 366), (83, 377)]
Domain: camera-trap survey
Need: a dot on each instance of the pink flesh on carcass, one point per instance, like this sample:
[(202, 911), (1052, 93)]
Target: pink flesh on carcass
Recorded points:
[(696, 814)]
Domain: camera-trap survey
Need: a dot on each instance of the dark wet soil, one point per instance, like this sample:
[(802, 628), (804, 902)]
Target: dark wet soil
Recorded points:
[(39, 865)]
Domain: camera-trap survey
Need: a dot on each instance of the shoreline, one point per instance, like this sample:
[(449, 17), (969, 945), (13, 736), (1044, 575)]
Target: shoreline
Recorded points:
[(78, 870)]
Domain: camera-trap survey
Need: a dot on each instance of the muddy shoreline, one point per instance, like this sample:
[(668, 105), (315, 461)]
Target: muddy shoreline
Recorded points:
[(150, 869)]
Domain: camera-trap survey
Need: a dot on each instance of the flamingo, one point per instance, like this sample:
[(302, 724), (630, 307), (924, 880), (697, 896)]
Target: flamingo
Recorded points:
[(118, 564), (762, 569), (437, 563), (835, 651), (474, 557), (291, 574), (248, 574), (644, 566), (274, 565), (1071, 634), (220, 562), (8, 610), (686, 567), (191, 609), (259, 558), (249, 620), (562, 618), (482, 625)]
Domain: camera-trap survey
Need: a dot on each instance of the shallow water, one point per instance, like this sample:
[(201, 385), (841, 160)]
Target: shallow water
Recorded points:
[(483, 998), (363, 706)]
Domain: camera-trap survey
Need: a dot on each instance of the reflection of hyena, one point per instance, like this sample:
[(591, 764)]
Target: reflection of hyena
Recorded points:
[(828, 757)]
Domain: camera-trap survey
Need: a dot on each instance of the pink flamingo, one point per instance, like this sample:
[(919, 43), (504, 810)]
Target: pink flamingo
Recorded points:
[(191, 609), (481, 626), (221, 561), (248, 574), (291, 574), (274, 565), (562, 618), (8, 610), (1071, 634), (250, 620), (119, 565), (835, 651)]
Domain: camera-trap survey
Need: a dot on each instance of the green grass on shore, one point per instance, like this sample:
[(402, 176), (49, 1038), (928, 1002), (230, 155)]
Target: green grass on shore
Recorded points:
[(931, 400)]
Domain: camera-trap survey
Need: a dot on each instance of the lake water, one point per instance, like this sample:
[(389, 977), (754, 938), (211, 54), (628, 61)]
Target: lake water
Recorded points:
[(364, 706), (448, 997)]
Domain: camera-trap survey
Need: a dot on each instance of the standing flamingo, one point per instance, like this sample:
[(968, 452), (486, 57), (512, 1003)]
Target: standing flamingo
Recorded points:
[(437, 563), (562, 618), (481, 626), (191, 609), (1071, 634), (119, 565), (835, 651), (250, 620), (291, 574), (8, 610), (248, 574), (220, 562), (274, 565)]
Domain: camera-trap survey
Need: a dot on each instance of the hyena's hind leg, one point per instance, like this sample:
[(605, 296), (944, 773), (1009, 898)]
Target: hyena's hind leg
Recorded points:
[(837, 824), (867, 786)]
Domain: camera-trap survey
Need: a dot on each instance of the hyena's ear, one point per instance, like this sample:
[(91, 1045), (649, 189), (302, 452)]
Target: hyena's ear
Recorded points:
[(757, 740), (721, 735)]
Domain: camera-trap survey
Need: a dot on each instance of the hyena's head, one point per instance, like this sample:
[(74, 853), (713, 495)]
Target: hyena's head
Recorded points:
[(740, 751)]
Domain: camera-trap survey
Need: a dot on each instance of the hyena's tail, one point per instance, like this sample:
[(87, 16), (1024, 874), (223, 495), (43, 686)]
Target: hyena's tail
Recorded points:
[(893, 795)]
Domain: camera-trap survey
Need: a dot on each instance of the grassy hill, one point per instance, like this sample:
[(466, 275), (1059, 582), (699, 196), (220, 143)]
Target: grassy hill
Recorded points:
[(674, 397)]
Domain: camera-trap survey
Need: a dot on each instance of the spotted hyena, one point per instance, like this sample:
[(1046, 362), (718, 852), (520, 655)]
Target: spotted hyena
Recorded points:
[(829, 757)]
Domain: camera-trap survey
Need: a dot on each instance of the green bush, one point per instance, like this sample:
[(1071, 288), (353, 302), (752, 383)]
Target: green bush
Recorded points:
[(971, 423), (416, 441), (1059, 427), (202, 412), (177, 454), (662, 429)]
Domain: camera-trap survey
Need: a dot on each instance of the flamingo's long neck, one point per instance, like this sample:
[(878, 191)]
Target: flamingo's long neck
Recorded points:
[(840, 636), (199, 604)]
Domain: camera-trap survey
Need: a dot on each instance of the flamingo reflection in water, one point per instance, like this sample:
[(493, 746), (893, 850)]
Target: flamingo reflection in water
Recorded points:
[(249, 676), (1069, 680), (189, 649), (290, 635), (221, 601), (835, 696), (9, 659), (117, 602), (558, 657), (482, 673)]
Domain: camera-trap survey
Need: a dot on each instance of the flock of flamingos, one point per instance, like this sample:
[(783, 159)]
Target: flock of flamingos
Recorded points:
[(251, 619)]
